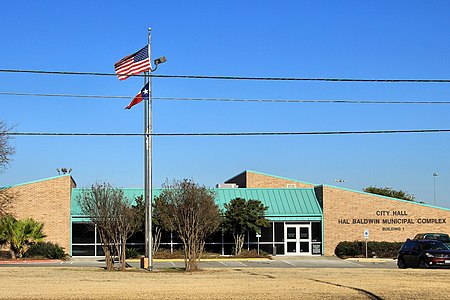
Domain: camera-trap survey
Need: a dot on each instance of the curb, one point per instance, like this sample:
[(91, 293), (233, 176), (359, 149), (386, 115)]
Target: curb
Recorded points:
[(206, 259), (370, 259), (28, 262)]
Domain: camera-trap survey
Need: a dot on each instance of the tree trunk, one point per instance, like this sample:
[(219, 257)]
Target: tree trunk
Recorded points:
[(107, 249), (156, 239), (108, 258), (123, 254), (238, 243)]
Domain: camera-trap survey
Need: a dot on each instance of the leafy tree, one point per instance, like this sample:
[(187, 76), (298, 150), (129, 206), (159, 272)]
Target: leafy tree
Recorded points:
[(113, 215), (241, 216), (190, 210), (6, 150), (389, 192), (19, 234)]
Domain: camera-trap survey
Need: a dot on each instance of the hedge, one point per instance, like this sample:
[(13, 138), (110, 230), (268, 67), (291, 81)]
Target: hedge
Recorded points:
[(374, 249), (46, 250)]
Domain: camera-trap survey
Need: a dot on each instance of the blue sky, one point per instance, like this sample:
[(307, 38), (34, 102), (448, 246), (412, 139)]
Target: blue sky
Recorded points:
[(339, 39)]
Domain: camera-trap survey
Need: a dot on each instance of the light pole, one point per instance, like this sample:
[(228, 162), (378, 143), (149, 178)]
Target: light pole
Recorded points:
[(434, 187), (339, 180)]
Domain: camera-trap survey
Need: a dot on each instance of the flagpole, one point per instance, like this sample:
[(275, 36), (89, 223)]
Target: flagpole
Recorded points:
[(148, 162)]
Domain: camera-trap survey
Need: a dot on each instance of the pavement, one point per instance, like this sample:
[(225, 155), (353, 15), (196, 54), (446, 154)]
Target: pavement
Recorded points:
[(274, 262)]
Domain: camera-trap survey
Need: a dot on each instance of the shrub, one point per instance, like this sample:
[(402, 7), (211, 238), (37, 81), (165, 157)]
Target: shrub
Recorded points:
[(252, 254), (348, 249), (132, 253), (5, 254), (46, 250), (358, 249)]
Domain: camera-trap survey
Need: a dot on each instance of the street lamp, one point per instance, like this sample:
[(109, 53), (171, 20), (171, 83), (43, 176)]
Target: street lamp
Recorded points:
[(434, 187)]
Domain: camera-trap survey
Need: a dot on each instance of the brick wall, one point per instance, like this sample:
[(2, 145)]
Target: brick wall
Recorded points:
[(46, 201), (255, 180), (348, 213)]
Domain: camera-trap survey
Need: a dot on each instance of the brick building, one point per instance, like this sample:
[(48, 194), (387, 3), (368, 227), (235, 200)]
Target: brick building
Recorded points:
[(46, 201), (305, 218), (348, 213)]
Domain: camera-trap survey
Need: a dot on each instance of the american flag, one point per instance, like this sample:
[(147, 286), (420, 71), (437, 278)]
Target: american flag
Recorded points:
[(133, 64)]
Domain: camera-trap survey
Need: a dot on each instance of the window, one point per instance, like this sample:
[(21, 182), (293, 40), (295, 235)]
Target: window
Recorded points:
[(316, 232), (407, 246), (291, 185), (83, 233)]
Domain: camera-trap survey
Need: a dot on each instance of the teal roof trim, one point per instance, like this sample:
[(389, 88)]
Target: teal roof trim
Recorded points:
[(386, 197), (290, 179), (281, 202), (36, 181), (285, 219)]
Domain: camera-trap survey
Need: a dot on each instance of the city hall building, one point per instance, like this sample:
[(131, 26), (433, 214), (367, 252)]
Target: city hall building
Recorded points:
[(305, 218)]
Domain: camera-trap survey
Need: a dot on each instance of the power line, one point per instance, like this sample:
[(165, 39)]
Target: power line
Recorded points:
[(65, 95), (232, 77), (225, 99), (233, 133)]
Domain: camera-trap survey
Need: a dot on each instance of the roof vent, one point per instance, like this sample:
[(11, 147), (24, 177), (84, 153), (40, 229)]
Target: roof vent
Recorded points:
[(227, 186)]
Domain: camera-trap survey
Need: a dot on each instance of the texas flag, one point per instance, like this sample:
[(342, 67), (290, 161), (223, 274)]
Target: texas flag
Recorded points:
[(143, 95)]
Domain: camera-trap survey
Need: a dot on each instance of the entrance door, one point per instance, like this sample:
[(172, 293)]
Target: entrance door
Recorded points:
[(297, 239)]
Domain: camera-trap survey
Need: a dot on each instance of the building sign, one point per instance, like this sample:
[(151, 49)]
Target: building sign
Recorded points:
[(316, 249), (366, 233), (391, 218)]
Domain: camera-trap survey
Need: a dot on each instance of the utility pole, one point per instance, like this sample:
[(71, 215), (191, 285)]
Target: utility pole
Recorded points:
[(434, 187), (148, 155)]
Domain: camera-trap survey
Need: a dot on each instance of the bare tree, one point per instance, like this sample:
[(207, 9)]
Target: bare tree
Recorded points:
[(114, 218), (190, 210), (6, 150), (123, 226)]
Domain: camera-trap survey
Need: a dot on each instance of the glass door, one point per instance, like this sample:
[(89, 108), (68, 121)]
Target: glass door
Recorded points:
[(297, 239)]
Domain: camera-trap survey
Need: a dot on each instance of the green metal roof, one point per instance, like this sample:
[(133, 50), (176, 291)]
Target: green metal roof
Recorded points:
[(282, 203), (130, 193)]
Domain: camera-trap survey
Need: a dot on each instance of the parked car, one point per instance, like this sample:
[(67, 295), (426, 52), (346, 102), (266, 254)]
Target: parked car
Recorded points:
[(443, 237), (423, 254)]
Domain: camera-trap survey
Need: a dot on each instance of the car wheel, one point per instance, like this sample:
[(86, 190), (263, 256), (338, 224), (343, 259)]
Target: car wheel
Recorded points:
[(422, 264), (401, 263)]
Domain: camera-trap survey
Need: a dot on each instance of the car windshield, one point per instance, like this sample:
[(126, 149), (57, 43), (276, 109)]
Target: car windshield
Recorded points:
[(441, 237), (433, 245)]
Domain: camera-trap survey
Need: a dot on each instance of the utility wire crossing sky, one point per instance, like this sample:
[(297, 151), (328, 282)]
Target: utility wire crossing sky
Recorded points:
[(334, 90)]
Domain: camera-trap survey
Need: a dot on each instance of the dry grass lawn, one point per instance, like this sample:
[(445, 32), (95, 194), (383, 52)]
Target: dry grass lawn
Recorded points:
[(271, 283)]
